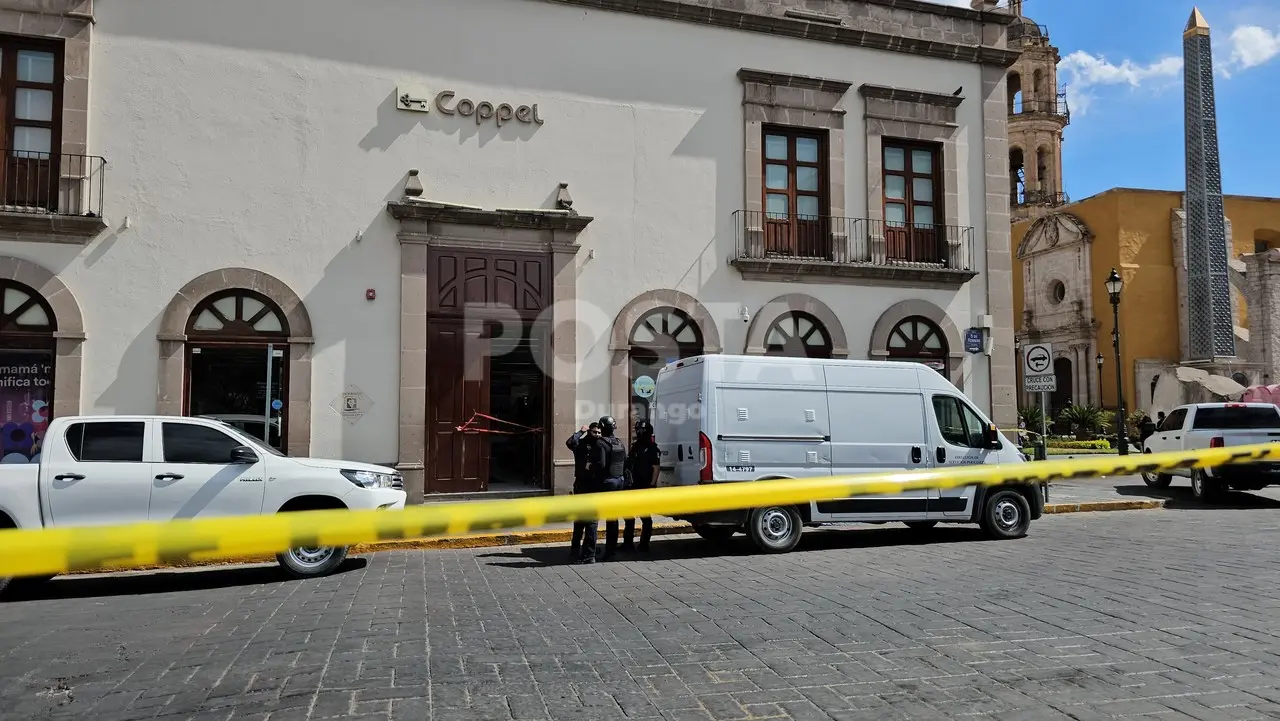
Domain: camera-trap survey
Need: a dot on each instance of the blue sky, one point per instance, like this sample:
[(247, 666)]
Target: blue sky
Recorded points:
[(1122, 66)]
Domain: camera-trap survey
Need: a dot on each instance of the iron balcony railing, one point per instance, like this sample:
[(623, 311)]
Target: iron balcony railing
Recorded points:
[(1057, 107), (1040, 197), (52, 183), (763, 236)]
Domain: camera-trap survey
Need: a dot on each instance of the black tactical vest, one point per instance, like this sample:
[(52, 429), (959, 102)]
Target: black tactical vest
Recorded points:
[(617, 457)]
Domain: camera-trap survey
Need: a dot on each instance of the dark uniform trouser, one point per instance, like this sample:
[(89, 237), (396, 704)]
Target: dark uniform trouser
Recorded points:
[(583, 543), (646, 531), (610, 527)]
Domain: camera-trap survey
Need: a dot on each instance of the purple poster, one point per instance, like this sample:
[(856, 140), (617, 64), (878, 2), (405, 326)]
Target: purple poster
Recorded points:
[(26, 395)]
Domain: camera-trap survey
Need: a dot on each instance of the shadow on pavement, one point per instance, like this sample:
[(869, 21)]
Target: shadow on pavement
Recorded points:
[(138, 584), (688, 548), (1180, 497)]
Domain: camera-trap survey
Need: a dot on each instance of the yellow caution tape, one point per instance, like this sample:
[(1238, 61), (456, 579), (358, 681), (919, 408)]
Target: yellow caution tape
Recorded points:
[(62, 550)]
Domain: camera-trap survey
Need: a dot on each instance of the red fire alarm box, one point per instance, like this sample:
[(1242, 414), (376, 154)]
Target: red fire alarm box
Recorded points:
[(370, 294)]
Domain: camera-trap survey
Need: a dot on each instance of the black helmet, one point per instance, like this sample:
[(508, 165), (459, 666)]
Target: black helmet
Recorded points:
[(607, 425), (643, 427)]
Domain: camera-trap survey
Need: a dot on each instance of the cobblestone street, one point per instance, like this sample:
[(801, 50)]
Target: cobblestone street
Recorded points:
[(1167, 614)]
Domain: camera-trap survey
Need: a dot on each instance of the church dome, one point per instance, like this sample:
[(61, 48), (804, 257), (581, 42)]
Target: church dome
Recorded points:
[(1024, 28)]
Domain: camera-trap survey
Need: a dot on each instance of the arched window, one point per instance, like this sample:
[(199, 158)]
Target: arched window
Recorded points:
[(238, 314), (918, 340), (1043, 161), (24, 312), (661, 336), (797, 335), (1017, 176), (27, 349), (1015, 93), (236, 341)]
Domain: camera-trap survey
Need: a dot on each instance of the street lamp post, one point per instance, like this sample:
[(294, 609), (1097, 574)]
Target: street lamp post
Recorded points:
[(1098, 360), (1114, 284)]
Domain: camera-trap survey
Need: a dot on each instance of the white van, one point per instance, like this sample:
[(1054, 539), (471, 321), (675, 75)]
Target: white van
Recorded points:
[(723, 418)]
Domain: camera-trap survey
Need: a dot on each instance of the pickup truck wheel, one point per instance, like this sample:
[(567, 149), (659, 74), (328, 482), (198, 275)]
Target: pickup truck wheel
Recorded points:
[(775, 529), (312, 562), (1205, 489), (715, 533), (1157, 480), (1006, 514)]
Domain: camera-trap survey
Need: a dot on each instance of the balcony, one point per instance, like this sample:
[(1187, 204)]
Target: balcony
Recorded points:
[(1056, 108), (51, 196), (1040, 198), (851, 250)]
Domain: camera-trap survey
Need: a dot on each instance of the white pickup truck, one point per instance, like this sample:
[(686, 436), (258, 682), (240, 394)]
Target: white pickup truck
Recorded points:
[(99, 470), (1217, 425)]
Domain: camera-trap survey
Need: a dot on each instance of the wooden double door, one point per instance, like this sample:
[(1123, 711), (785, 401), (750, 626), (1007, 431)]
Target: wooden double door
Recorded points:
[(462, 337)]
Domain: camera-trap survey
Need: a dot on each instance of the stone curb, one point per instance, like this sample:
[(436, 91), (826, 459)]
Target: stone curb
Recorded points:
[(1092, 506), (564, 535)]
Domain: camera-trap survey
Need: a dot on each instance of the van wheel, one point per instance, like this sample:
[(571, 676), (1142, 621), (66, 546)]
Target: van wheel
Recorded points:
[(312, 562), (715, 533), (921, 525), (1006, 514), (775, 529)]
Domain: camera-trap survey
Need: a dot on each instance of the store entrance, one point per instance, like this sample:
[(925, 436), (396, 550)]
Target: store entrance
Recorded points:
[(231, 382), (518, 400)]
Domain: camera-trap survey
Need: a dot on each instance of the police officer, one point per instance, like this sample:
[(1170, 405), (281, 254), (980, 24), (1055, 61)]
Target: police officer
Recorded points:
[(583, 445), (612, 459), (644, 461)]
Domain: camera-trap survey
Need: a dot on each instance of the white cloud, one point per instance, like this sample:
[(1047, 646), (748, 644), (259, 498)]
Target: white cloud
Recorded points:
[(1084, 71), (1251, 46)]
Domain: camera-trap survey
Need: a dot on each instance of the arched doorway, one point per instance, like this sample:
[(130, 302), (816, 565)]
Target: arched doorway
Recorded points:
[(237, 357), (27, 348), (797, 335), (919, 340), (1065, 395), (659, 337)]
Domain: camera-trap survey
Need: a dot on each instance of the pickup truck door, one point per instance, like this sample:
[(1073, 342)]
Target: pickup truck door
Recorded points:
[(194, 474), (957, 432), (100, 475), (1168, 436)]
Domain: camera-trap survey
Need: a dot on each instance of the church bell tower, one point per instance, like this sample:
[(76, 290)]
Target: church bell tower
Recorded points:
[(1038, 114)]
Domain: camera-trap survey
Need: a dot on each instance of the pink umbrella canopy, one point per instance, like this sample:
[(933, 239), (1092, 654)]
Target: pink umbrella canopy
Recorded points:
[(1262, 394)]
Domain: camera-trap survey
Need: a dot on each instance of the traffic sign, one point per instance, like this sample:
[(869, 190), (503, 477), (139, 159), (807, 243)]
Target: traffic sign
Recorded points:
[(1037, 369), (1040, 383)]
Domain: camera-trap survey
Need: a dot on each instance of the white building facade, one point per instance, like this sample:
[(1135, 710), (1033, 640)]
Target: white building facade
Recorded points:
[(441, 235)]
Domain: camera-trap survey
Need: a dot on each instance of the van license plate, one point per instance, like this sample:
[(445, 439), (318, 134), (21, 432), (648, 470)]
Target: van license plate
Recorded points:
[(740, 469)]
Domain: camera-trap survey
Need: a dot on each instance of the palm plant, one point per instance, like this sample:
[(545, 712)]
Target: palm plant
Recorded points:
[(1085, 421), (1031, 417)]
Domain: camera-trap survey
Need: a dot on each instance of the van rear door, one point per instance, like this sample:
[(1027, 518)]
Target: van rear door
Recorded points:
[(677, 413)]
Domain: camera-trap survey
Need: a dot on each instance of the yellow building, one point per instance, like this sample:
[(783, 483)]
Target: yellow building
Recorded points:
[(1062, 259)]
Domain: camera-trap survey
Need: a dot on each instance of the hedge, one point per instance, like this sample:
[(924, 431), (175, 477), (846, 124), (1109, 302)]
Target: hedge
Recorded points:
[(1031, 451), (1095, 444)]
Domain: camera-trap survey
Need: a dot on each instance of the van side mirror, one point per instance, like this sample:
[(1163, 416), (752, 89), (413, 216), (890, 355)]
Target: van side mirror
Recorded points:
[(991, 437), (243, 454)]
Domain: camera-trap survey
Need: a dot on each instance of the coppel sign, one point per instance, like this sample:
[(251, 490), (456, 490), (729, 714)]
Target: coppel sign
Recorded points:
[(419, 100)]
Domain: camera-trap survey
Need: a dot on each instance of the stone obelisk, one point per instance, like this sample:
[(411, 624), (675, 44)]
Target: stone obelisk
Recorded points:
[(1210, 333)]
